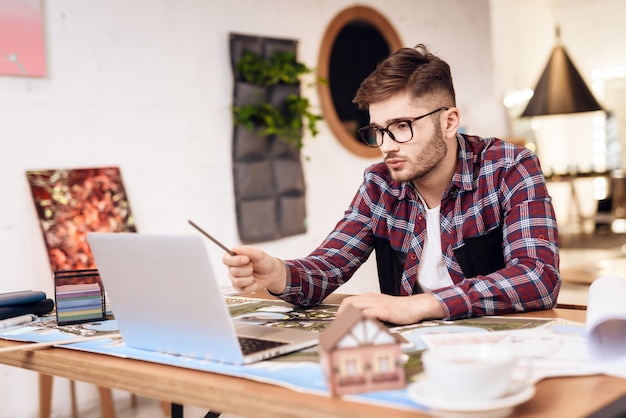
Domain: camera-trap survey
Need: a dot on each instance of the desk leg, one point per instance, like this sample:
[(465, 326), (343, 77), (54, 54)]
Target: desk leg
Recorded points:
[(73, 397), (107, 407), (45, 395), (580, 218)]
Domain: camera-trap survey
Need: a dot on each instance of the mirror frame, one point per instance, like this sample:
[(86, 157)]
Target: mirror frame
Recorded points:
[(342, 19)]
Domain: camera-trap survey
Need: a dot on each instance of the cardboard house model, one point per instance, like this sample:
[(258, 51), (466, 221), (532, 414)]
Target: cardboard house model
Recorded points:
[(359, 354)]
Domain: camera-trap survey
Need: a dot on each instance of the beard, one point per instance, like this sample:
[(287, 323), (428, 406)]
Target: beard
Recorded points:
[(423, 166)]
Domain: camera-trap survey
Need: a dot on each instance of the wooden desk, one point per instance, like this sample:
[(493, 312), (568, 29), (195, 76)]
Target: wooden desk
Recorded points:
[(555, 397)]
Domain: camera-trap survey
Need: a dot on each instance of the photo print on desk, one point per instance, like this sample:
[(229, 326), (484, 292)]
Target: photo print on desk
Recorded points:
[(73, 202)]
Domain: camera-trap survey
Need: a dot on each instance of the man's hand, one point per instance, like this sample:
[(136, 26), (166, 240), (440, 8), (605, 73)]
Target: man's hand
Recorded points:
[(399, 310), (251, 270)]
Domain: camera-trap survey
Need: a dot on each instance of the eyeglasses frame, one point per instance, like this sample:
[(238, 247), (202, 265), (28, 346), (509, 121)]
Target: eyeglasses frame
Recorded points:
[(362, 130)]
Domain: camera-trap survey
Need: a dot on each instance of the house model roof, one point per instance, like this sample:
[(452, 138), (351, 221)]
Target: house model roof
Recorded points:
[(353, 329)]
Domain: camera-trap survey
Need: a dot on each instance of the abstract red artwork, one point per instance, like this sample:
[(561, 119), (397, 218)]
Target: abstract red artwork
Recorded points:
[(22, 49), (73, 202)]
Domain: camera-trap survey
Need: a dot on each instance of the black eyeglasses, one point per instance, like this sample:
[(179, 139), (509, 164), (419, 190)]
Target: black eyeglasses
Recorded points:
[(399, 130)]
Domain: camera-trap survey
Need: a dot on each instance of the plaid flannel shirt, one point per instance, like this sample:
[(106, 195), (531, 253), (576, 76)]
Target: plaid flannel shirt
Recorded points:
[(495, 184)]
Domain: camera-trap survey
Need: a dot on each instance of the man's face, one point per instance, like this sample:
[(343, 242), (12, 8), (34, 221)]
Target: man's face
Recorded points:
[(419, 158)]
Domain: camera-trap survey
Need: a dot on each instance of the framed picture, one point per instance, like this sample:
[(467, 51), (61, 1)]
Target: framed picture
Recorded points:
[(22, 47), (73, 202)]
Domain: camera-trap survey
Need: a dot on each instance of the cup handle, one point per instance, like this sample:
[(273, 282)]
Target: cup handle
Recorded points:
[(522, 375)]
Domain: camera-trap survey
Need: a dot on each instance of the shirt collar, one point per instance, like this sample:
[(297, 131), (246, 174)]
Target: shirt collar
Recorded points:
[(407, 190), (463, 177)]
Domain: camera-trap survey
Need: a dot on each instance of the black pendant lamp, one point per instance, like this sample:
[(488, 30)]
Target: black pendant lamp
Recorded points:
[(560, 89)]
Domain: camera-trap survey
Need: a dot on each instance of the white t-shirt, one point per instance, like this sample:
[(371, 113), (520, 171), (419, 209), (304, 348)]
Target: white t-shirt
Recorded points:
[(433, 273)]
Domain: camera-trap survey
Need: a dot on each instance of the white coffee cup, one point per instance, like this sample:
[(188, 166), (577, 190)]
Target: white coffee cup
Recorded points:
[(469, 372)]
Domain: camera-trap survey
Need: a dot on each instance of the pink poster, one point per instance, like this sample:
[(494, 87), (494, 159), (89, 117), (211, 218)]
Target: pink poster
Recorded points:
[(22, 49)]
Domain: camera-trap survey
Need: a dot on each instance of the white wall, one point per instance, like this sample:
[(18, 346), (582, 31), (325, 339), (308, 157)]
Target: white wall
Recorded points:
[(146, 85)]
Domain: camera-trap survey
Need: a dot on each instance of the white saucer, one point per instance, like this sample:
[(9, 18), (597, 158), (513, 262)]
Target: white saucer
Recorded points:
[(501, 407)]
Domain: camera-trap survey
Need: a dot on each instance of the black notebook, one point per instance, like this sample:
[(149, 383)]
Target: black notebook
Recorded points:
[(20, 297), (38, 308)]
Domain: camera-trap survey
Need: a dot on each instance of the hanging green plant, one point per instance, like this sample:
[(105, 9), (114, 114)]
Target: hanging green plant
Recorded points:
[(287, 123), (290, 119), (281, 67)]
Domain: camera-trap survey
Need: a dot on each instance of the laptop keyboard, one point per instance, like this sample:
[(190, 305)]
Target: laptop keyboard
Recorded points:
[(254, 345)]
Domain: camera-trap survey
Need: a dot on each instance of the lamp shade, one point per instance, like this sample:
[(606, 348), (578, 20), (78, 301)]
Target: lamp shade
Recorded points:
[(560, 89)]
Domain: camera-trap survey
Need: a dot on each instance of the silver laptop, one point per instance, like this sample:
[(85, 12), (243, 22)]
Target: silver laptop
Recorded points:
[(165, 297)]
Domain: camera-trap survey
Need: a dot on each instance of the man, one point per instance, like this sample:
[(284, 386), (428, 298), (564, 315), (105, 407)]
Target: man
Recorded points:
[(462, 226)]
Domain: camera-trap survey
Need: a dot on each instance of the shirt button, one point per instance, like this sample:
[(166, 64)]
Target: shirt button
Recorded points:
[(420, 217), (413, 257), (541, 236)]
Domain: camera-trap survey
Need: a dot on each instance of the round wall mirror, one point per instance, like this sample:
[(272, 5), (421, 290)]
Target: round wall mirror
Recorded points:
[(353, 44)]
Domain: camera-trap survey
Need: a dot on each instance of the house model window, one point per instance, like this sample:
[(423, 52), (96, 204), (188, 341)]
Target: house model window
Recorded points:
[(359, 354)]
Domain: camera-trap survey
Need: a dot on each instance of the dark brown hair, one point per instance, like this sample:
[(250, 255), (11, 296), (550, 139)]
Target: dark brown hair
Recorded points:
[(415, 70)]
